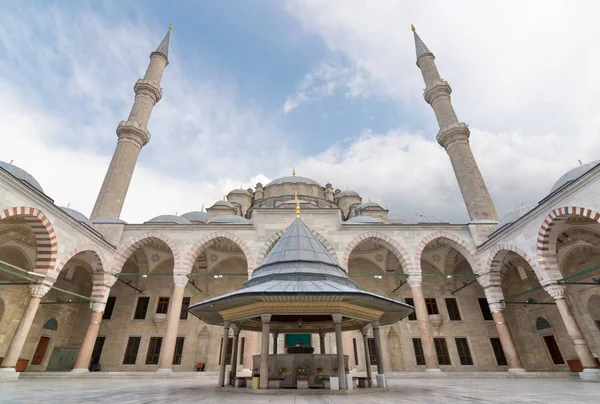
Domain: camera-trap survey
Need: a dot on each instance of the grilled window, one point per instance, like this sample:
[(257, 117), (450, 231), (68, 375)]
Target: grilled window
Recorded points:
[(141, 308), (485, 309), (184, 308), (410, 301), (419, 354), (498, 351), (442, 351), (372, 351), (133, 345), (453, 312), (153, 351), (163, 305), (228, 353), (242, 343), (178, 351), (432, 307), (355, 351), (464, 353), (110, 306)]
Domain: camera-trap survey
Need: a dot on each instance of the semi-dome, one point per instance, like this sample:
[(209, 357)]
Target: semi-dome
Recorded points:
[(420, 219), (293, 179), (363, 220), (80, 217), (515, 215), (195, 216), (240, 191), (229, 219), (170, 219), (21, 174), (224, 203), (573, 174), (348, 193)]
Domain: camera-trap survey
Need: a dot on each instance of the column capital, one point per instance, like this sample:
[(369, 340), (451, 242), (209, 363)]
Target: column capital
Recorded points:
[(226, 324), (265, 318), (98, 306), (414, 279), (236, 329), (39, 289), (497, 307), (337, 318), (180, 280), (555, 290), (375, 324)]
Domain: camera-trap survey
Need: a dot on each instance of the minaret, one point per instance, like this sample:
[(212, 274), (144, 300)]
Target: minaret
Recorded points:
[(133, 135), (454, 137)]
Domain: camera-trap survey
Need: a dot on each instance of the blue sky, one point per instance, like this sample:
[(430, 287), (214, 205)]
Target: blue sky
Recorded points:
[(331, 87)]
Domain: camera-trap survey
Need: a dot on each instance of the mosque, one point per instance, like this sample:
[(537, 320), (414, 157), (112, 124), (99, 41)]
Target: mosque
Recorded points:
[(89, 295)]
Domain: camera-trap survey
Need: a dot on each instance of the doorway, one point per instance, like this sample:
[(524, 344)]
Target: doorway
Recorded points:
[(40, 351), (555, 354)]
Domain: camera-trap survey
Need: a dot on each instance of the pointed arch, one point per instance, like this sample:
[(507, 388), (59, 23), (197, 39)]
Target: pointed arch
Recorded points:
[(467, 250), (47, 246), (194, 251), (547, 239), (125, 251), (384, 240), (270, 243), (499, 253)]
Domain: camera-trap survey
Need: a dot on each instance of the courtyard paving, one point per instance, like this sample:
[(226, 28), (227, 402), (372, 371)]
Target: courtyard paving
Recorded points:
[(123, 391)]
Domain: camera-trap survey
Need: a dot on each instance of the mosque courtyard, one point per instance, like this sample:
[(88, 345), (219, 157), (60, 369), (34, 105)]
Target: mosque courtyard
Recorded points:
[(126, 391)]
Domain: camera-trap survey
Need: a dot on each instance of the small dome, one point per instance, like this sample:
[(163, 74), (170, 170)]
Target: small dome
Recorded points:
[(169, 219), (293, 179), (80, 217), (230, 219), (420, 219), (195, 216), (240, 191), (369, 205), (573, 174), (514, 215), (22, 175), (349, 193), (363, 220), (223, 203)]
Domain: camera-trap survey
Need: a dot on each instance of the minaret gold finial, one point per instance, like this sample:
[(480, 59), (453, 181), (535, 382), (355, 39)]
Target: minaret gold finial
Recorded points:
[(297, 204), (170, 27), (294, 171), (412, 28)]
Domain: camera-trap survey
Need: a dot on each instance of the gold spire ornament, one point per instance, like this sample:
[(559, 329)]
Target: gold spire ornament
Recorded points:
[(412, 28), (297, 204), (170, 27)]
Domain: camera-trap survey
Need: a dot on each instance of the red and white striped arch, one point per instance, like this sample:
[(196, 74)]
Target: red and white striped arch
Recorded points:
[(194, 251), (47, 246), (125, 251), (384, 240), (497, 256), (547, 238), (100, 278), (467, 250)]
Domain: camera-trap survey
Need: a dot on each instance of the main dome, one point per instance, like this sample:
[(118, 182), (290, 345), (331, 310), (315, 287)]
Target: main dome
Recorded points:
[(573, 174), (22, 175), (293, 179)]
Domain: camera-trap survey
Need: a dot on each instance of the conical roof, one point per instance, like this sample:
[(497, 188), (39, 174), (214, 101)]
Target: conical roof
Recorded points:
[(163, 47), (420, 47)]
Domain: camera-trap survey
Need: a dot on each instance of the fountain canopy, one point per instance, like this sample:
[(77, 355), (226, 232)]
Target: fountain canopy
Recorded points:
[(300, 285)]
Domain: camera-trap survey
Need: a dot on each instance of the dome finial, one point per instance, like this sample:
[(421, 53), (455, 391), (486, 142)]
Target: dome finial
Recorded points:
[(297, 204), (171, 27), (294, 171), (412, 28)]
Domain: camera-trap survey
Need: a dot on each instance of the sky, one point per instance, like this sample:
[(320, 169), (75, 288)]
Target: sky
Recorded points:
[(254, 88)]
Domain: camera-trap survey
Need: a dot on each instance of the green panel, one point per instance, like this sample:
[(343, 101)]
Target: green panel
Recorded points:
[(62, 359), (294, 339)]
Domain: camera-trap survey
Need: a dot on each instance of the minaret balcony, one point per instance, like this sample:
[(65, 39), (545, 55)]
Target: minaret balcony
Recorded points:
[(453, 132), (148, 86), (437, 89), (134, 132)]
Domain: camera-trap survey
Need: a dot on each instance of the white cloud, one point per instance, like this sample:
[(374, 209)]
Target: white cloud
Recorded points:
[(524, 78)]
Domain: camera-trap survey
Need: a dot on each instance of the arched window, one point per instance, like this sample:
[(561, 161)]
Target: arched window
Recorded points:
[(541, 324), (51, 324)]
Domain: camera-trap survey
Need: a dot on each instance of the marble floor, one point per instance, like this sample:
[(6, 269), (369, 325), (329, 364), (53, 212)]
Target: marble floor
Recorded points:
[(122, 391)]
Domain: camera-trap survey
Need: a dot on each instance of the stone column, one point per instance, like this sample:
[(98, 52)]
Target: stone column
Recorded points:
[(431, 359), (234, 354), (264, 352), (339, 346), (275, 338), (165, 364), (579, 342), (82, 363), (226, 325), (365, 336), (16, 344), (322, 342), (378, 350)]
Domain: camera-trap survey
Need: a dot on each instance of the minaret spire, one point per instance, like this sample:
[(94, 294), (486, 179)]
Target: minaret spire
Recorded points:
[(132, 136), (454, 137)]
